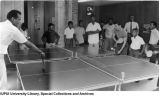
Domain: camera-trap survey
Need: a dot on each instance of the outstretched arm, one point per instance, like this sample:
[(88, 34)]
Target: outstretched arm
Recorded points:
[(33, 47), (143, 49), (121, 49)]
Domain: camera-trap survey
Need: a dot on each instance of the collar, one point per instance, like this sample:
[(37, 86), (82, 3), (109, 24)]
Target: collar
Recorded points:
[(69, 28), (136, 37), (94, 23), (8, 22), (154, 29)]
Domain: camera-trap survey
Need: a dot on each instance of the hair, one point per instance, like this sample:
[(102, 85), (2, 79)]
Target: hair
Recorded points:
[(80, 21), (50, 24), (92, 15), (24, 26), (70, 22), (136, 30), (154, 23), (13, 14), (110, 19), (131, 16)]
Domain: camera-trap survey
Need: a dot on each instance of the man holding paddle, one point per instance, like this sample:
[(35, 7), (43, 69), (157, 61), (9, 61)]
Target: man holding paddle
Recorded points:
[(9, 32)]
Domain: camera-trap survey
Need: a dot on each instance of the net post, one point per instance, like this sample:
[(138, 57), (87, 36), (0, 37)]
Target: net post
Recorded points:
[(122, 80)]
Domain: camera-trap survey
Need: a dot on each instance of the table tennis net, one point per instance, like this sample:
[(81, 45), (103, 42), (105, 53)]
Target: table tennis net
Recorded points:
[(55, 53)]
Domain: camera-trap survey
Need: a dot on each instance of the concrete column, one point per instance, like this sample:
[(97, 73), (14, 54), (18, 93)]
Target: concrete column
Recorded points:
[(65, 10), (72, 9), (60, 20), (0, 11), (75, 12), (36, 21)]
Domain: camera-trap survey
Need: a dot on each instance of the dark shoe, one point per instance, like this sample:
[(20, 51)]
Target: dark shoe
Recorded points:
[(137, 81), (150, 79)]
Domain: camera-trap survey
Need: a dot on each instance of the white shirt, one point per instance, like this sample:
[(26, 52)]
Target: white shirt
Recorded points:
[(9, 33), (69, 33), (154, 37), (80, 31), (109, 30), (136, 42), (93, 38), (127, 26)]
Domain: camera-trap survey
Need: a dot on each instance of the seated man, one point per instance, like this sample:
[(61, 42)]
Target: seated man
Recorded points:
[(50, 37)]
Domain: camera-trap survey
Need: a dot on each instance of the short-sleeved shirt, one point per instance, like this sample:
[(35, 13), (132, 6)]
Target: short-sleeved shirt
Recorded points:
[(50, 36), (69, 33), (80, 31), (93, 38), (136, 42), (9, 33), (154, 37), (109, 30), (120, 32)]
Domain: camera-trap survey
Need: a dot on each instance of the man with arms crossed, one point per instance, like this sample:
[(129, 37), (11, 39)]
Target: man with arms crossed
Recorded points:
[(92, 30)]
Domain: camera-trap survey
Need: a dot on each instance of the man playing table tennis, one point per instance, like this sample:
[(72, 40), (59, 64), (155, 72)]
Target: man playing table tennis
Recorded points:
[(9, 32), (120, 38)]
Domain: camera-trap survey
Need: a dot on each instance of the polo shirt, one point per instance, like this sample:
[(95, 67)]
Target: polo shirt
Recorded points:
[(109, 30), (69, 33), (80, 31)]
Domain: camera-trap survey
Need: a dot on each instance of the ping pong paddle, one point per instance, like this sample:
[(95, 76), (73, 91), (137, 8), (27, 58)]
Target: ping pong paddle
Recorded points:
[(43, 64)]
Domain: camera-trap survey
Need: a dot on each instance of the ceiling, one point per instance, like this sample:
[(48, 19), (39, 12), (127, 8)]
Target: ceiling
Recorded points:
[(105, 2)]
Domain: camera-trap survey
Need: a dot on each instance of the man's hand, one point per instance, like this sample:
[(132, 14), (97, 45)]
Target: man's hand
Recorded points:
[(42, 55), (119, 52), (33, 47)]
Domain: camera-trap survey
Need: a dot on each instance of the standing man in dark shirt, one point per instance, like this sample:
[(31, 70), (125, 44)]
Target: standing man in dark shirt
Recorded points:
[(50, 37)]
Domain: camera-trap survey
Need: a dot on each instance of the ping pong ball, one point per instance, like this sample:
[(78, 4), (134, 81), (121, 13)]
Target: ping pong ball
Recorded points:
[(149, 53)]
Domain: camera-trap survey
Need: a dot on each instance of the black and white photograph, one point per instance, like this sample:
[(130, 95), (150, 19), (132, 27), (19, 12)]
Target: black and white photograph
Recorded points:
[(79, 45)]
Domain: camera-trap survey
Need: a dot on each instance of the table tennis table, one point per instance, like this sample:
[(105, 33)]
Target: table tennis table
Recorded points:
[(80, 72)]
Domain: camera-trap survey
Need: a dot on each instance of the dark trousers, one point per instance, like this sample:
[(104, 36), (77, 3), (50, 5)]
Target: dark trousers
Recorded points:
[(108, 43), (69, 43), (155, 57), (134, 53), (129, 43)]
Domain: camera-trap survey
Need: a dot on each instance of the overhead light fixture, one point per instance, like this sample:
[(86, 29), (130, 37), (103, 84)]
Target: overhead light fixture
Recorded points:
[(85, 0)]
